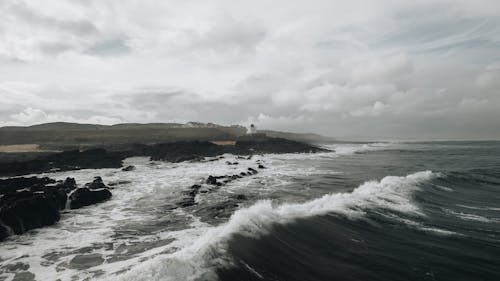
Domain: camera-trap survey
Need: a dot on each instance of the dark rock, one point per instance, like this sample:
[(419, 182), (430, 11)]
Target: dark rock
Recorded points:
[(240, 197), (4, 232), (128, 168), (243, 174), (211, 180), (184, 151), (96, 184), (85, 197), (261, 166), (252, 171), (12, 185), (30, 211), (118, 183), (68, 184)]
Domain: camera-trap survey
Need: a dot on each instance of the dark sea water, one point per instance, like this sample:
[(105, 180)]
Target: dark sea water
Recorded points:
[(381, 211), (454, 236)]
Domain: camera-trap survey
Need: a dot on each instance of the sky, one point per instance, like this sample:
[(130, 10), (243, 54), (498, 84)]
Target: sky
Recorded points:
[(349, 69)]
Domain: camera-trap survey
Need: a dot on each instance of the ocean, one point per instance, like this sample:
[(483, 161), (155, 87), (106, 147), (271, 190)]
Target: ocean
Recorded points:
[(373, 211)]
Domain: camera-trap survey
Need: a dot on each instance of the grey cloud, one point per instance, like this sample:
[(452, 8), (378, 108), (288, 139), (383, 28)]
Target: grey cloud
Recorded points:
[(113, 46), (75, 27)]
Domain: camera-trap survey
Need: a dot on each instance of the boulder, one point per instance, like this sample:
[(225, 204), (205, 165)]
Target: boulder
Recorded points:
[(96, 184), (4, 232), (211, 180), (85, 197), (29, 211), (128, 168), (261, 166), (252, 171)]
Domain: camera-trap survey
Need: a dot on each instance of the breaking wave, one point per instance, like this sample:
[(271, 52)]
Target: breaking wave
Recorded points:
[(205, 251)]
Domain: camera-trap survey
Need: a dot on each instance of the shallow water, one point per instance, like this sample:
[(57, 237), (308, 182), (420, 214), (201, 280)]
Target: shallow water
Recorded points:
[(387, 211)]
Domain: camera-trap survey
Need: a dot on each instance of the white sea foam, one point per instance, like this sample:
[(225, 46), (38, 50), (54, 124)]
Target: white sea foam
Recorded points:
[(202, 254), (349, 149)]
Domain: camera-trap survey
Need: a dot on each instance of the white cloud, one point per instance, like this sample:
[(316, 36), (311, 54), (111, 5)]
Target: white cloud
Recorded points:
[(340, 68)]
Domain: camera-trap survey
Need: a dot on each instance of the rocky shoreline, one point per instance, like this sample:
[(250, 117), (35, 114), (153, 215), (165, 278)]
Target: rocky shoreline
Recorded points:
[(31, 202)]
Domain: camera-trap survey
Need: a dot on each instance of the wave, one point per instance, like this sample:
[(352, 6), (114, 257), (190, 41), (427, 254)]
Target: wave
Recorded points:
[(470, 217), (199, 259), (349, 149)]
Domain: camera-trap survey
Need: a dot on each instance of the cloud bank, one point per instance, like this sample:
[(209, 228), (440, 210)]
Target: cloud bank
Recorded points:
[(390, 69)]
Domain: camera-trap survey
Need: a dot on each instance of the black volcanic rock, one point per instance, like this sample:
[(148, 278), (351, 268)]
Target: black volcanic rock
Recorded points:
[(96, 184), (263, 144), (64, 161), (29, 211), (184, 151), (4, 232), (11, 185), (211, 180), (128, 168), (28, 203), (68, 184), (85, 197)]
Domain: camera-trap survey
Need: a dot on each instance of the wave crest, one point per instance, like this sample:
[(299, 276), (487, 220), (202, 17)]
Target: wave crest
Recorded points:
[(199, 259)]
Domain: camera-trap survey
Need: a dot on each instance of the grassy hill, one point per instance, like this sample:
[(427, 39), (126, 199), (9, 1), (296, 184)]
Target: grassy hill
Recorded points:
[(62, 135)]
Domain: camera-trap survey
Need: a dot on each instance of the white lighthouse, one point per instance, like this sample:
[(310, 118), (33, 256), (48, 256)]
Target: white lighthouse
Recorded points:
[(252, 130)]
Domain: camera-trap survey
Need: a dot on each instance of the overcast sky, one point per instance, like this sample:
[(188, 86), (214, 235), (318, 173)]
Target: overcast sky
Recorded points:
[(387, 69)]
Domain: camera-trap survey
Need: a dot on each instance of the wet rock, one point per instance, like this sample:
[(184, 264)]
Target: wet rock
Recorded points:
[(68, 184), (211, 180), (4, 232), (65, 161), (240, 197), (85, 197), (96, 184), (29, 211), (12, 185), (128, 168), (118, 183), (252, 171)]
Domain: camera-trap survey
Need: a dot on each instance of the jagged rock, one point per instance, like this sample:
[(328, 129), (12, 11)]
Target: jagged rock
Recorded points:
[(65, 161), (128, 168), (252, 171), (240, 197), (69, 184), (96, 184), (4, 232), (12, 185), (211, 180), (85, 197), (29, 211)]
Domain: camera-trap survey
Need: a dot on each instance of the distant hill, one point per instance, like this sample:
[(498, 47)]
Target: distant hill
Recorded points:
[(63, 135), (302, 137)]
